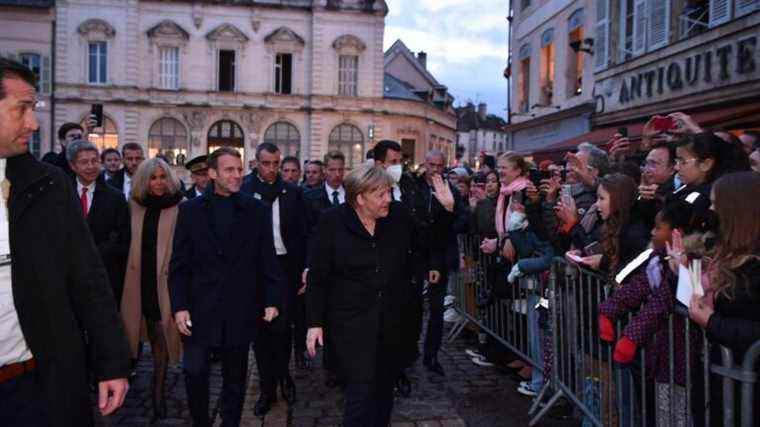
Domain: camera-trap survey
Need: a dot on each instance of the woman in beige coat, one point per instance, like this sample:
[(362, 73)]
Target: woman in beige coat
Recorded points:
[(145, 302)]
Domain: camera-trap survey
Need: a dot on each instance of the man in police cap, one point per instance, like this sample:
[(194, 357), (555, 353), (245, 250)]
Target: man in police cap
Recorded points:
[(199, 175)]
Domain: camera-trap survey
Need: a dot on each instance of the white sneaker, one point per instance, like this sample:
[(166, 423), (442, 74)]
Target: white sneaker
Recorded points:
[(451, 316), (526, 391), (474, 353), (482, 362), (524, 384)]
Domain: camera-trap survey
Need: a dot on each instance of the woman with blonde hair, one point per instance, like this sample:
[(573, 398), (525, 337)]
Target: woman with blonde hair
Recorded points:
[(153, 208), (359, 287)]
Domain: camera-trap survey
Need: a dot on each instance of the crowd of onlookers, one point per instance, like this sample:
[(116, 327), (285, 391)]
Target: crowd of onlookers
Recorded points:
[(636, 213)]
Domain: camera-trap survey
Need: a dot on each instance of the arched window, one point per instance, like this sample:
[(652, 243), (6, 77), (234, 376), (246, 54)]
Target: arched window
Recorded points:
[(168, 137), (103, 137), (286, 137), (348, 139), (226, 133)]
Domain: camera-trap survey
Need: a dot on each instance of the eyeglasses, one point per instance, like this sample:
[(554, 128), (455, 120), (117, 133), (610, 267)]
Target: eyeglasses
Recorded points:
[(74, 136), (680, 162), (84, 163), (651, 164)]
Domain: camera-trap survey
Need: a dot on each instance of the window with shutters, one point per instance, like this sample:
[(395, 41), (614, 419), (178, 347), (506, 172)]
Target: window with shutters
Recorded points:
[(347, 75), (601, 34), (35, 142), (744, 7), (523, 86), (168, 68), (546, 72), (34, 63), (283, 73), (226, 70), (98, 62), (575, 62), (286, 137), (658, 34), (720, 12)]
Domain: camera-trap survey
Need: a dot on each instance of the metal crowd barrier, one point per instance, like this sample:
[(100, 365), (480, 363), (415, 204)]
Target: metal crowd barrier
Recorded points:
[(551, 322)]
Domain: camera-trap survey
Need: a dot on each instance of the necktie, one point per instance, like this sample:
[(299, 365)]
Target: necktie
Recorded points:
[(83, 201), (335, 200)]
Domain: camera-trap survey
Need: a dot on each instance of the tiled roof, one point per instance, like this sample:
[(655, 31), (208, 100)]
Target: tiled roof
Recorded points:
[(397, 89), (468, 119)]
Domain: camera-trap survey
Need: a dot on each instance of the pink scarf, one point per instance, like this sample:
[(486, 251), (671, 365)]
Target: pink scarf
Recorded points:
[(506, 191)]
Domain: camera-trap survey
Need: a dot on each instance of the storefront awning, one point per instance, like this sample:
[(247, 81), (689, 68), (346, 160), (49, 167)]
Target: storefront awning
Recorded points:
[(728, 118)]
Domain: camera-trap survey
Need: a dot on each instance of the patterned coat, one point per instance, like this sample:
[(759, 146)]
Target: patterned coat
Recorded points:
[(650, 307)]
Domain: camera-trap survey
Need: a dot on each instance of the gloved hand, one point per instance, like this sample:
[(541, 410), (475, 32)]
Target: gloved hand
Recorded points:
[(625, 350), (606, 328), (514, 274)]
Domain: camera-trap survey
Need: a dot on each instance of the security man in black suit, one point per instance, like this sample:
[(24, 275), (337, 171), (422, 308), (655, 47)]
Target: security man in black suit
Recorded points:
[(132, 155), (329, 195), (224, 279), (105, 209), (199, 175), (289, 228)]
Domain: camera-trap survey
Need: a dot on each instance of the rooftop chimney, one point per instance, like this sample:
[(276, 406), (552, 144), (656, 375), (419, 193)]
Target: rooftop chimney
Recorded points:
[(482, 110), (422, 58)]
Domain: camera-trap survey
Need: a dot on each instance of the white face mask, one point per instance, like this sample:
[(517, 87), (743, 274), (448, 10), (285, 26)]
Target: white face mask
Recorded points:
[(395, 172)]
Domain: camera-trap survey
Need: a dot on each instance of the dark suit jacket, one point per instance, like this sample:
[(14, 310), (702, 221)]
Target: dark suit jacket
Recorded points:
[(109, 224), (59, 159), (117, 181), (224, 283), (359, 286), (294, 220), (60, 288), (317, 203)]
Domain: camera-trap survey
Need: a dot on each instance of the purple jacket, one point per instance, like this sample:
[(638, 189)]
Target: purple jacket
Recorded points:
[(650, 305)]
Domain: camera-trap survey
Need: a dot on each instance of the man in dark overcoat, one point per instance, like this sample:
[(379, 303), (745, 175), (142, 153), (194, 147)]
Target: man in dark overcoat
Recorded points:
[(290, 228), (57, 287), (224, 278), (106, 211)]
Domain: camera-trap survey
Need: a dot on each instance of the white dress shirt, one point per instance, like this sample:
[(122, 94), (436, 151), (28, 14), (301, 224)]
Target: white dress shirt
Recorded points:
[(279, 245), (341, 193), (127, 185), (396, 192), (13, 347), (90, 193)]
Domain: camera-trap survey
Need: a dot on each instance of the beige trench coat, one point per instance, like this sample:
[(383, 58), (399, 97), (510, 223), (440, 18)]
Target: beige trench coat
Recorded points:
[(131, 301)]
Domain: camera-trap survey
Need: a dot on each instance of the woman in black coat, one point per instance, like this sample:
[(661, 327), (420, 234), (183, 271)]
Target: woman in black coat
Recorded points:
[(732, 318), (358, 284)]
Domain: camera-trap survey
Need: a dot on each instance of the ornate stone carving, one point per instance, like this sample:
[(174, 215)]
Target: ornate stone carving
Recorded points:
[(168, 28), (95, 25), (197, 16), (284, 35), (227, 32), (349, 42), (196, 119)]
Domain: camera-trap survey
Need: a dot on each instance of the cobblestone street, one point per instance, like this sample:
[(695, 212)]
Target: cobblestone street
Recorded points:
[(468, 395)]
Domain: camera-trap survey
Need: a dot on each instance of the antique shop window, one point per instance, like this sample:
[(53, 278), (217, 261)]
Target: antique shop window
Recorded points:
[(168, 137), (348, 139), (226, 70), (286, 137), (98, 62), (168, 68), (283, 73), (348, 75)]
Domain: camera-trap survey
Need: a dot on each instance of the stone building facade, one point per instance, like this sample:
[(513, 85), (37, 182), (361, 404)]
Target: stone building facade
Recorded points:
[(478, 131), (184, 77)]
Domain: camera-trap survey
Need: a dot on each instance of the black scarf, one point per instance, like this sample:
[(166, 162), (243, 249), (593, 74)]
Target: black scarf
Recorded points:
[(268, 192), (161, 202)]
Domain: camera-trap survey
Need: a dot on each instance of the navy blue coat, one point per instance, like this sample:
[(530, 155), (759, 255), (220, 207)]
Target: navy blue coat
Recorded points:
[(224, 283)]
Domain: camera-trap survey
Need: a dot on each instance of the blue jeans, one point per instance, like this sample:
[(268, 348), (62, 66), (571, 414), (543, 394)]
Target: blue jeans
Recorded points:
[(22, 403), (535, 343)]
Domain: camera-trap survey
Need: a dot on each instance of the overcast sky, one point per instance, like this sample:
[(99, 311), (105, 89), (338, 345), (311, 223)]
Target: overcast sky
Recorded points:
[(466, 44)]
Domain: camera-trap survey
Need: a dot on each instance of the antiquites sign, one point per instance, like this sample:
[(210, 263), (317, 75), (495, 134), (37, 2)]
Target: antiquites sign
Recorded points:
[(713, 65)]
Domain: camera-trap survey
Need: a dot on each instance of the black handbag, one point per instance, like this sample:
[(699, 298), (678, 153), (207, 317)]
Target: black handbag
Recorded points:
[(496, 278)]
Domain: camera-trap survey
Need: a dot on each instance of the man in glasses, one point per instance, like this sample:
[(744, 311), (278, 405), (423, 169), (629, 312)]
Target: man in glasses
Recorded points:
[(67, 133)]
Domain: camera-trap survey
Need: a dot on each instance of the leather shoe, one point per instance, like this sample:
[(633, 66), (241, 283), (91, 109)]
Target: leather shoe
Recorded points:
[(288, 390), (403, 385), (264, 404), (434, 366)]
